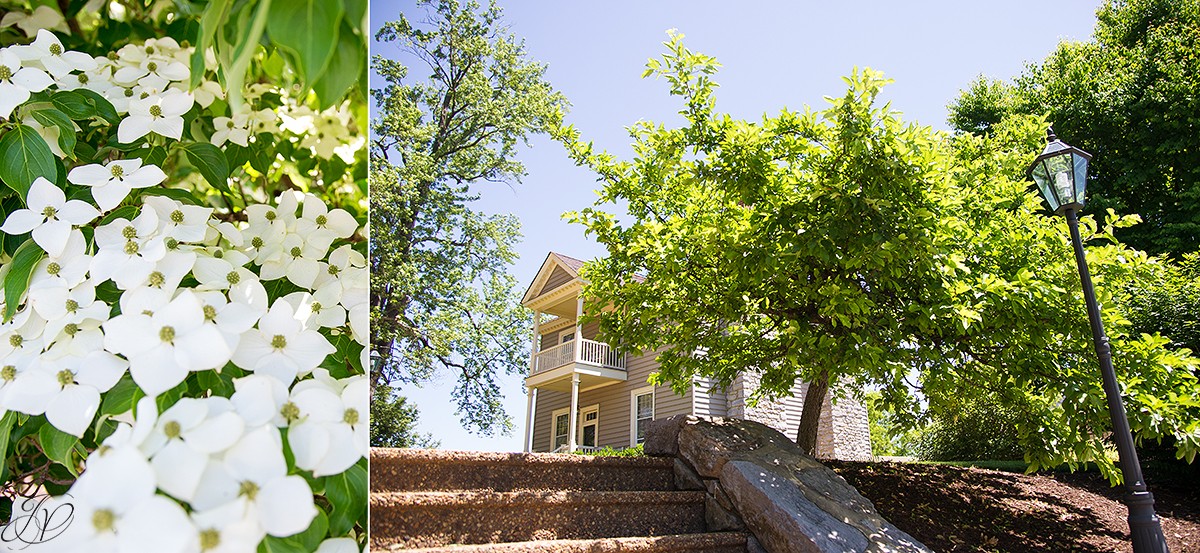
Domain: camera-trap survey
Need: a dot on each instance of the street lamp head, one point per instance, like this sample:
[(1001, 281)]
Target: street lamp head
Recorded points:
[(1061, 174), (375, 359)]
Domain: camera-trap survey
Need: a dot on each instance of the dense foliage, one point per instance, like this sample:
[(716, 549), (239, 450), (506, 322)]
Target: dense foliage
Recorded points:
[(393, 421), (1128, 96), (979, 431), (184, 275), (848, 246), (441, 297)]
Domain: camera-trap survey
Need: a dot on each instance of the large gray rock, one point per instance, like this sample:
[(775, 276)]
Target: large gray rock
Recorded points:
[(789, 500)]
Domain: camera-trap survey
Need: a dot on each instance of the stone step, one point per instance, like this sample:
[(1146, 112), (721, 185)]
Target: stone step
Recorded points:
[(412, 470), (714, 542), (433, 519)]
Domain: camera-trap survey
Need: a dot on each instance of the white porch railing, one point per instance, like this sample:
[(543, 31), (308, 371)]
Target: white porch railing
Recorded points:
[(591, 352)]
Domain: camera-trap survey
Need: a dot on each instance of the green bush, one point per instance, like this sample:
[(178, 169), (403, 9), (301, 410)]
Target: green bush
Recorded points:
[(979, 431), (610, 451)]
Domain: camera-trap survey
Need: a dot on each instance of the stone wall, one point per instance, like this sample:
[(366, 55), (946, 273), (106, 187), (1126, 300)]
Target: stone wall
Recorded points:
[(844, 432)]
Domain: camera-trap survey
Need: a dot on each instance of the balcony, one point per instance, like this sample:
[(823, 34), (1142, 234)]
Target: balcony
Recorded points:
[(595, 362)]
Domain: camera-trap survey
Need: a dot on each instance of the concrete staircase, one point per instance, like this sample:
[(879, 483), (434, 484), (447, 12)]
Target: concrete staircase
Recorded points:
[(431, 500)]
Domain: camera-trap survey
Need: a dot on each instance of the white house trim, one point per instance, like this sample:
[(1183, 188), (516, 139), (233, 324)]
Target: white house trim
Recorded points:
[(554, 425), (633, 395)]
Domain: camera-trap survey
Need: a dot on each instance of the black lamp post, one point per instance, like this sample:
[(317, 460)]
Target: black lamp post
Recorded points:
[(1061, 174)]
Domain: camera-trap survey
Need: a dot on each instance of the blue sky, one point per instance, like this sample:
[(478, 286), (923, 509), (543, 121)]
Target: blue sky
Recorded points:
[(774, 55)]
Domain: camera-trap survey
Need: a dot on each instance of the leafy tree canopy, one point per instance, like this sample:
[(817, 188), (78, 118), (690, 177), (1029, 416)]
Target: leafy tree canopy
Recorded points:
[(846, 246), (441, 298), (1129, 97), (394, 421)]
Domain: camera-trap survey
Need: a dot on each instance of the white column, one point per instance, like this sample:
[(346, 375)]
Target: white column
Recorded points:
[(574, 417), (578, 330), (530, 406), (533, 350)]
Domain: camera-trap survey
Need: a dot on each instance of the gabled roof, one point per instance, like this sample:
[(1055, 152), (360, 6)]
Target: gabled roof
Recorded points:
[(553, 260)]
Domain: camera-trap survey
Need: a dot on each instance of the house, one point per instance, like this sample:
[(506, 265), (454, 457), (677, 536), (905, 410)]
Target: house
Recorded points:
[(583, 395)]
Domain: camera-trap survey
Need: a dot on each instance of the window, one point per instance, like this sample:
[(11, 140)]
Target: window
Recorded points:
[(641, 406), (562, 422), (567, 337), (591, 424)]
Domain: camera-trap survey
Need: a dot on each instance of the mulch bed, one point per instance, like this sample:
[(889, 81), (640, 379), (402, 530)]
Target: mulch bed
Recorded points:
[(952, 508)]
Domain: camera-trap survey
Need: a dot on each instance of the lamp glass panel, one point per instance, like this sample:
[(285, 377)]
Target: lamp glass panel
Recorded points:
[(1041, 176), (1062, 183), (1081, 167)]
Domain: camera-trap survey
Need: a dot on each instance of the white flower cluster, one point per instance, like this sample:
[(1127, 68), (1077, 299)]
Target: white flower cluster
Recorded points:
[(223, 457), (147, 83), (326, 133), (167, 290)]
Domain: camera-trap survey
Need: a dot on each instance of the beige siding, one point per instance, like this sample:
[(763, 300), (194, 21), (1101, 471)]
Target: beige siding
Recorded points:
[(557, 278), (709, 404), (615, 407)]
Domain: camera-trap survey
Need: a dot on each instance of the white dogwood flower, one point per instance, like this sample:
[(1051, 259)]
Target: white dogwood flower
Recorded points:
[(165, 346), (330, 432), (161, 114), (50, 216), (48, 51), (281, 346), (17, 81), (112, 183)]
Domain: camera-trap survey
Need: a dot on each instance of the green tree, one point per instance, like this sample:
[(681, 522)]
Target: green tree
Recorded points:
[(441, 298), (1128, 96), (848, 247), (394, 421)]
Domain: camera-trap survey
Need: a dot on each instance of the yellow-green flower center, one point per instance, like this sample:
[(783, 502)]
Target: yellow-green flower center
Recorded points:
[(290, 411), (233, 277), (229, 124), (172, 430), (5, 73), (8, 373), (219, 254), (152, 66), (83, 78), (167, 334), (176, 216), (210, 312), (350, 416), (55, 50), (321, 220), (66, 377), (156, 110), (334, 270), (295, 251), (72, 305), (131, 247), (103, 520), (316, 307), (143, 96), (248, 489), (128, 92), (129, 232), (117, 171), (270, 215), (256, 242), (209, 539), (53, 269), (49, 212), (157, 279), (16, 340), (149, 49), (279, 342), (71, 329), (171, 243)]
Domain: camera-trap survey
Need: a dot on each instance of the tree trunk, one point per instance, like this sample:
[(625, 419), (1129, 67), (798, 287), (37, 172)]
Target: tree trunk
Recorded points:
[(810, 418)]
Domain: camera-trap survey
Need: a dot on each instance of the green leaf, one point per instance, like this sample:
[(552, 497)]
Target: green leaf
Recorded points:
[(17, 279), (308, 28), (66, 128), (214, 16), (73, 104), (6, 426), (343, 70), (102, 106), (24, 157), (211, 163), (57, 444), (122, 397), (126, 212), (178, 194), (347, 492)]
